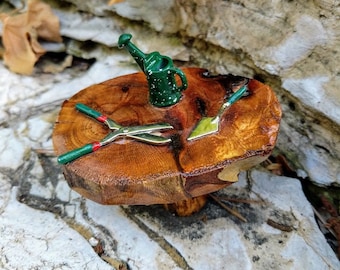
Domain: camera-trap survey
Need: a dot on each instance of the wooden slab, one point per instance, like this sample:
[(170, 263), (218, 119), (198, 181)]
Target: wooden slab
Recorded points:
[(131, 172)]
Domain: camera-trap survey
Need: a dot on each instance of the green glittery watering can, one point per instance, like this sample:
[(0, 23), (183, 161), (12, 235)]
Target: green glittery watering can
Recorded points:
[(160, 73)]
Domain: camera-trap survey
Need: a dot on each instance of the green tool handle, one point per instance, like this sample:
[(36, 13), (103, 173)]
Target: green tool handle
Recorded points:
[(237, 95), (90, 112), (77, 153), (233, 98)]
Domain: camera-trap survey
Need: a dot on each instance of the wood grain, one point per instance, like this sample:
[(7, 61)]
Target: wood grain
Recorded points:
[(131, 172)]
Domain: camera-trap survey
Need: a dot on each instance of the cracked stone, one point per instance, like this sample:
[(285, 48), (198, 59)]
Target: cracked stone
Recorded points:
[(12, 149), (5, 191), (37, 239), (148, 237), (44, 225)]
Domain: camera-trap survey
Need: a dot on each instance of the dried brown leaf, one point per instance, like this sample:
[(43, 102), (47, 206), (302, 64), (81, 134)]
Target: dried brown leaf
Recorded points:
[(21, 33), (50, 67), (19, 55), (44, 21), (112, 2), (275, 168)]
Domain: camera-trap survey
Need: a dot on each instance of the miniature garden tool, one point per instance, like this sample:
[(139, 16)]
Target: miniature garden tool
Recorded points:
[(160, 73), (141, 133), (209, 125)]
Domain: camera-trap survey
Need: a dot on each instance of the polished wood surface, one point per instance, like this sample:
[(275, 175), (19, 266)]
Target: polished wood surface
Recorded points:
[(131, 172)]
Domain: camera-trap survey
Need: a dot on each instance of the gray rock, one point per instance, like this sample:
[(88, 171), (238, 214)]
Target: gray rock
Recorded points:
[(36, 239), (34, 214), (294, 41), (151, 238), (45, 225), (293, 46), (44, 221), (160, 15)]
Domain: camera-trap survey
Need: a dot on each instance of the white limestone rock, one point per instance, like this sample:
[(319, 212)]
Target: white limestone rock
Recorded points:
[(296, 42), (149, 237), (21, 96), (82, 27), (225, 243), (281, 38), (33, 239), (160, 15), (5, 191), (53, 227), (302, 248), (106, 31), (317, 93), (12, 149)]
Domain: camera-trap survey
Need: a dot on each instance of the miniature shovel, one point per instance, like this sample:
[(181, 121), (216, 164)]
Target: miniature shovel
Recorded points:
[(209, 125)]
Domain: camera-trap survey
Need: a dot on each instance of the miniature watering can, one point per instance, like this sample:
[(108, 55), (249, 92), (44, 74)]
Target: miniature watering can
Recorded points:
[(160, 73)]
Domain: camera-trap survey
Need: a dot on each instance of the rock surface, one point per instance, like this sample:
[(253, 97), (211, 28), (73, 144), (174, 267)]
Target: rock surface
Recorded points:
[(292, 46), (51, 226), (45, 225)]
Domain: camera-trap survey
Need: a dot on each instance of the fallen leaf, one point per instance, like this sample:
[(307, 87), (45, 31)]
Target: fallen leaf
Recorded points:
[(44, 21), (50, 67), (112, 2), (275, 168), (21, 33)]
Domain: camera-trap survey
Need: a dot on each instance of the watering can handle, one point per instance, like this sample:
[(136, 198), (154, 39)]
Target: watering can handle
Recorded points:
[(184, 81)]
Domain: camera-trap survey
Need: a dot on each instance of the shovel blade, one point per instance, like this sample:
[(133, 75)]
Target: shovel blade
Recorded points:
[(206, 126)]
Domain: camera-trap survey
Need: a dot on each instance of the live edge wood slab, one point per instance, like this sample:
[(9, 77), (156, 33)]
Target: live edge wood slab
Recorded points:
[(131, 172)]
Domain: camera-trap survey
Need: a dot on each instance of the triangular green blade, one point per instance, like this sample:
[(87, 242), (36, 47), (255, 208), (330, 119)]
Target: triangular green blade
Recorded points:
[(206, 126)]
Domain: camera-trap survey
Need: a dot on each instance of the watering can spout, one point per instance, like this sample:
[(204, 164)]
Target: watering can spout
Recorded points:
[(137, 54)]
